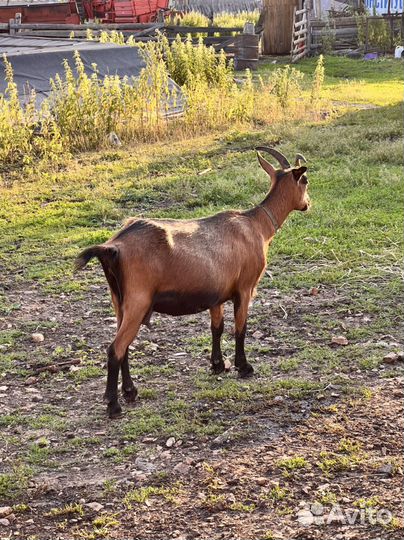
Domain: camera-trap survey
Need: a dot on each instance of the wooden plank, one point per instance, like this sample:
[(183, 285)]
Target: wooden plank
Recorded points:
[(300, 23), (293, 28), (278, 25), (297, 57), (92, 26), (202, 29), (300, 32), (299, 50), (300, 40), (127, 26)]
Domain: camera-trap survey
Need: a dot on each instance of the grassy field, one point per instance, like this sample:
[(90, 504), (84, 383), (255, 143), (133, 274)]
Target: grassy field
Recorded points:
[(318, 423)]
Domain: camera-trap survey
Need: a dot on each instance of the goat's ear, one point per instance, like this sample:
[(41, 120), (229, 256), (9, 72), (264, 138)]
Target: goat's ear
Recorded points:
[(268, 168), (298, 172)]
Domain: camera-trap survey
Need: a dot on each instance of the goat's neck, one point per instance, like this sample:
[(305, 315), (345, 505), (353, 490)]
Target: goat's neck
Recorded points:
[(279, 206)]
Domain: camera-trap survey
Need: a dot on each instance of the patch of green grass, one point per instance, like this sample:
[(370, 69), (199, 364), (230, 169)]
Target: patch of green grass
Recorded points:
[(292, 463), (371, 502), (152, 371), (104, 522), (295, 388), (54, 421), (227, 389), (332, 463), (276, 494), (13, 484), (38, 454), (141, 495), (289, 364), (111, 452), (141, 421), (9, 337), (241, 507), (328, 498), (87, 372), (148, 393), (67, 510)]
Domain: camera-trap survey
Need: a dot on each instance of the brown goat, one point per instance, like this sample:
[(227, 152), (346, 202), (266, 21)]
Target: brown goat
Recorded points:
[(181, 267)]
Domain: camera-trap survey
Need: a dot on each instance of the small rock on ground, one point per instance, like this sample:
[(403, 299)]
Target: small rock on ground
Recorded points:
[(37, 337), (96, 506), (5, 511)]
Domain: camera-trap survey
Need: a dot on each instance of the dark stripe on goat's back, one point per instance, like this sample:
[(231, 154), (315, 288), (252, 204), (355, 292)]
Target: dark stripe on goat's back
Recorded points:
[(140, 225)]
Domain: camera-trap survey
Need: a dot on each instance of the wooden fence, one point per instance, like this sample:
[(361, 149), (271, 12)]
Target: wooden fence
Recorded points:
[(339, 33), (300, 35), (141, 31), (242, 47)]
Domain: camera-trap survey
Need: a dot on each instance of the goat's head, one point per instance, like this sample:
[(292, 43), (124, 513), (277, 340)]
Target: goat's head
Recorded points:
[(292, 179)]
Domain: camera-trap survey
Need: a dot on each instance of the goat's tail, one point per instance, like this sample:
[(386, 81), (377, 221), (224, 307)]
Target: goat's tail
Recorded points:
[(109, 259), (101, 252)]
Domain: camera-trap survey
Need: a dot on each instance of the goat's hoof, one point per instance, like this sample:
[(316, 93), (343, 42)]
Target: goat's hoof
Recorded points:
[(114, 410), (129, 395), (216, 369), (246, 371)]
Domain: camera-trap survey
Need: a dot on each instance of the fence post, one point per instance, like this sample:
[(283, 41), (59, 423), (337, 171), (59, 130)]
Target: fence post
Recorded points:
[(249, 28), (293, 34), (308, 31), (367, 35)]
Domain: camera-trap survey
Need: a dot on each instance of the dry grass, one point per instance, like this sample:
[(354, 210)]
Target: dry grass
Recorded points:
[(83, 111)]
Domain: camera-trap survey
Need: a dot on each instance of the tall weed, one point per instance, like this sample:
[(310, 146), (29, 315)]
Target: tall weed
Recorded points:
[(27, 135), (85, 109)]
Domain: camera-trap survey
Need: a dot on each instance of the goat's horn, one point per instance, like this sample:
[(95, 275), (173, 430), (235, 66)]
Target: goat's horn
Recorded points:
[(299, 158), (276, 154)]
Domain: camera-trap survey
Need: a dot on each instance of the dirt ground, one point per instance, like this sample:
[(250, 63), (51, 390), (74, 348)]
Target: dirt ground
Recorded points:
[(310, 447)]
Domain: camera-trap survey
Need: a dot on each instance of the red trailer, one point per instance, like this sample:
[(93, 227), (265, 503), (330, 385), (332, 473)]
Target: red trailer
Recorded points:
[(68, 11), (124, 11), (49, 11)]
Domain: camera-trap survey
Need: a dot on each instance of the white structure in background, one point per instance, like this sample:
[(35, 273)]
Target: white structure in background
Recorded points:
[(382, 6), (322, 7)]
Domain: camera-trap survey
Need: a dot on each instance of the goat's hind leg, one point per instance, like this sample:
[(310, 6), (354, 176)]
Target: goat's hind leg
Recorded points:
[(241, 304), (118, 355), (217, 326), (129, 390)]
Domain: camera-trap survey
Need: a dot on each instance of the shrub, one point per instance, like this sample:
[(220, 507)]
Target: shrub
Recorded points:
[(222, 19), (225, 19), (285, 85), (26, 135), (85, 110), (318, 80)]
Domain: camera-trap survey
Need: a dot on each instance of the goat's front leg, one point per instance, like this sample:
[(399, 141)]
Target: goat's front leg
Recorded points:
[(241, 304), (217, 326)]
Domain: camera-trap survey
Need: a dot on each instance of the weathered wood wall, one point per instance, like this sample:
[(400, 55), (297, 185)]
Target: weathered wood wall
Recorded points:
[(278, 22), (209, 7)]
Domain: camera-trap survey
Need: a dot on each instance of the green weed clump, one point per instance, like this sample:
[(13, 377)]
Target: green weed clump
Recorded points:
[(186, 62), (26, 135), (286, 85), (86, 112), (224, 19), (191, 18), (87, 109)]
